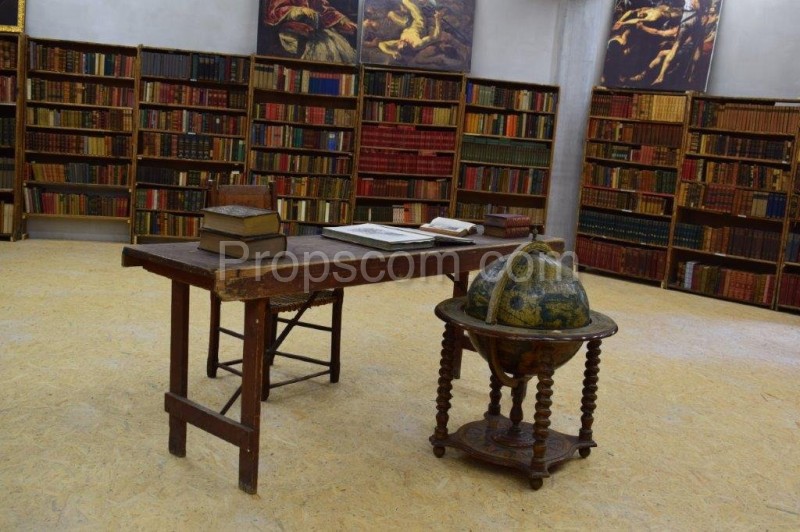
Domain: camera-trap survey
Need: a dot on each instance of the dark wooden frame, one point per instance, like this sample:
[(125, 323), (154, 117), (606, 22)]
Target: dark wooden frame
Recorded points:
[(188, 266)]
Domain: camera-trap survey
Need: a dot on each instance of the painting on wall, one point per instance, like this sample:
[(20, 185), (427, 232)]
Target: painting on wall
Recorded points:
[(313, 30), (429, 34), (12, 15), (661, 44)]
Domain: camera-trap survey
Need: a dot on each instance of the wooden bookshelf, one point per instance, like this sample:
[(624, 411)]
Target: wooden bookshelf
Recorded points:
[(730, 226), (79, 106), (630, 172), (506, 149), (12, 54), (408, 145), (788, 294), (303, 134), (191, 128)]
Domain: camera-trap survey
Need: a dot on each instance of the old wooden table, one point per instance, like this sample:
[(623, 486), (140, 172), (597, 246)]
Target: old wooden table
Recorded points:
[(318, 264)]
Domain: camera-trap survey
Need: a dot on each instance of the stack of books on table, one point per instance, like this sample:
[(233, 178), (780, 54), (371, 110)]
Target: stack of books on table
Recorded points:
[(506, 225), (241, 232)]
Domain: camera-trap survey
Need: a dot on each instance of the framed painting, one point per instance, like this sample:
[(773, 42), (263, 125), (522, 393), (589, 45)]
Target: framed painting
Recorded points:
[(429, 34), (313, 30), (12, 15), (661, 44)]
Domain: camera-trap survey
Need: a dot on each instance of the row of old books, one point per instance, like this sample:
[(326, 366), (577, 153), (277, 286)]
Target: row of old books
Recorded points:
[(316, 210), (195, 66), (624, 200), (177, 94), (630, 228), (7, 172), (80, 93), (113, 119), (745, 117), (661, 107), (504, 151), (411, 85), (99, 174), (510, 98), (737, 241), (725, 282), (8, 89), (304, 114), (407, 113), (736, 173), (166, 224), (284, 136), (241, 232), (186, 146), (638, 262), (40, 202), (8, 54), (112, 145), (321, 187), (375, 160), (403, 188), (730, 200), (183, 178), (510, 125), (291, 162), (652, 134), (730, 146), (6, 217), (170, 199), (406, 213), (287, 79), (407, 137), (58, 59), (792, 248), (658, 181), (478, 211), (503, 179), (191, 121), (654, 155)]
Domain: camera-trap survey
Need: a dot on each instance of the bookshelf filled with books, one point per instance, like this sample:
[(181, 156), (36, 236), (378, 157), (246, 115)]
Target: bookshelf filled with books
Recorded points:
[(506, 150), (11, 59), (630, 172), (79, 108), (303, 133), (408, 145), (788, 296), (735, 180), (191, 129)]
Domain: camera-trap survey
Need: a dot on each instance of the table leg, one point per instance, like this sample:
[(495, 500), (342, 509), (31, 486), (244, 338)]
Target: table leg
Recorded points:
[(460, 289), (213, 336), (178, 362), (541, 426), (495, 394), (252, 373), (445, 387), (589, 394)]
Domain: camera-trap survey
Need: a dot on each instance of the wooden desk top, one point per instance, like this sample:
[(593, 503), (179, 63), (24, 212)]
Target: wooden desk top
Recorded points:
[(320, 263)]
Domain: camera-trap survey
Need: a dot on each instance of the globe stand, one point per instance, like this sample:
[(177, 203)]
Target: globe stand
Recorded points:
[(508, 441)]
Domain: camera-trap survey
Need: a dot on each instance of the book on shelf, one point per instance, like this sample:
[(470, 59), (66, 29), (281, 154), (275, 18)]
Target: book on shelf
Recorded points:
[(237, 246), (240, 220), (449, 226), (506, 220), (390, 238)]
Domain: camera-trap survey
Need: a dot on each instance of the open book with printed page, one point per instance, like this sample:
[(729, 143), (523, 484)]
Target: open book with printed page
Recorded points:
[(449, 226), (389, 238)]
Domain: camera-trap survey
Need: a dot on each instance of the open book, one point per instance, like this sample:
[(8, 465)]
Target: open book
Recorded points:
[(389, 238), (449, 226)]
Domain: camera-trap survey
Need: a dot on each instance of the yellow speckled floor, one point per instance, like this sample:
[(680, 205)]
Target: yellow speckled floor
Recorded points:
[(698, 418)]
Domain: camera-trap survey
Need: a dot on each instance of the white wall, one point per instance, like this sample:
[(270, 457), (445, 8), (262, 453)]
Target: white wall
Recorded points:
[(543, 41)]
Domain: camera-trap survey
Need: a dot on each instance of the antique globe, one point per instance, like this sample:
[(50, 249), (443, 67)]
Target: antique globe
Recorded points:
[(529, 289)]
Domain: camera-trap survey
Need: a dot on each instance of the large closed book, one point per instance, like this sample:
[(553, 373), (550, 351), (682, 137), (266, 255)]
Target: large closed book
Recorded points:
[(239, 247), (506, 220), (240, 220)]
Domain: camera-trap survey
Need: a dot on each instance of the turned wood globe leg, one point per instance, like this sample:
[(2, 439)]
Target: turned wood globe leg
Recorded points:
[(541, 424), (495, 394), (589, 395), (444, 394)]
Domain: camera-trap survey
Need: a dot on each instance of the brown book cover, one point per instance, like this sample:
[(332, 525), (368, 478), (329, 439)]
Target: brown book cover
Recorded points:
[(506, 232), (266, 245), (506, 220), (241, 221)]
